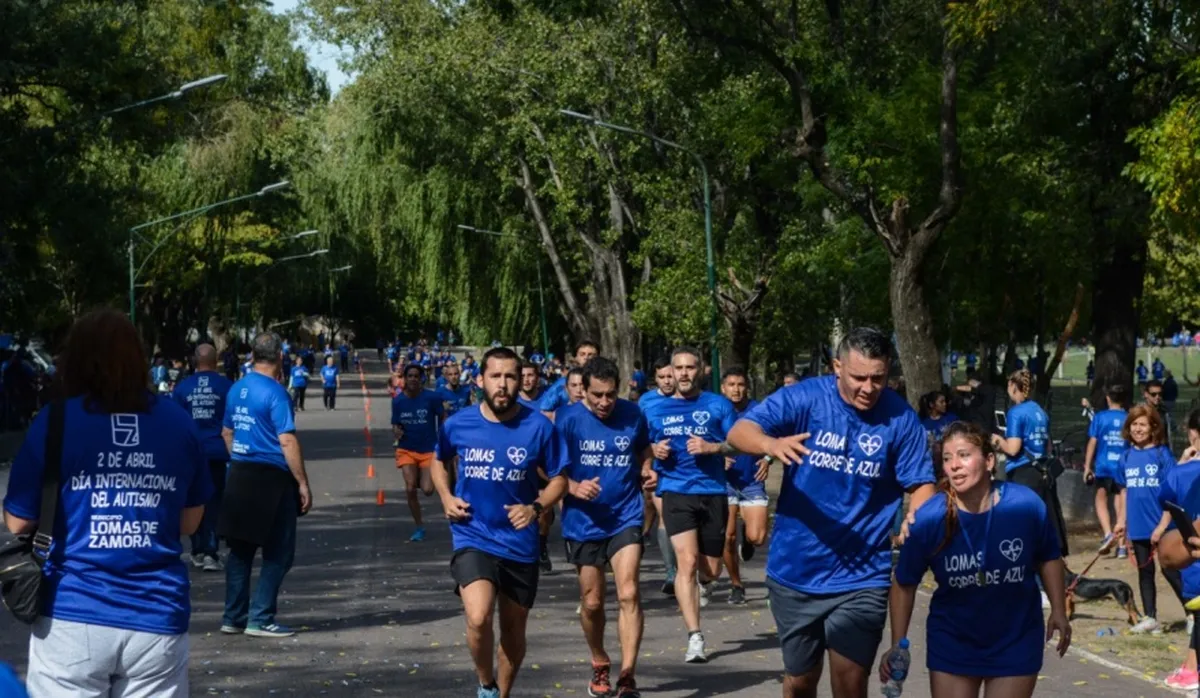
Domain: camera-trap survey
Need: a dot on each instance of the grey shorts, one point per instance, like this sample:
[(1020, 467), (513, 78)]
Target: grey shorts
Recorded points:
[(80, 659), (849, 623)]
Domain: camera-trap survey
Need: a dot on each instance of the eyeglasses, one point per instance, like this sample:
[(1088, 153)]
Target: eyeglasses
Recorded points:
[(1155, 394)]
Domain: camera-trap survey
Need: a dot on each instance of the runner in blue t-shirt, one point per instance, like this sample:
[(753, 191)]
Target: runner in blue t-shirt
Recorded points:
[(331, 380), (496, 450), (1143, 466), (688, 430), (986, 543), (664, 381), (1158, 369), (556, 395), (1143, 374), (202, 395), (935, 414), (531, 390), (604, 450), (851, 448), (299, 383), (133, 479), (455, 396), (1101, 462), (746, 490), (1181, 486), (416, 415)]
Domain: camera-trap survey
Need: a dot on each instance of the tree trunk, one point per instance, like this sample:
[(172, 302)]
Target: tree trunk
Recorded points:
[(1117, 283), (914, 325)]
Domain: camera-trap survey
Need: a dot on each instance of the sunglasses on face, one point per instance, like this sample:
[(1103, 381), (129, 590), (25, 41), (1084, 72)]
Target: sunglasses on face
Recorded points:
[(1155, 394)]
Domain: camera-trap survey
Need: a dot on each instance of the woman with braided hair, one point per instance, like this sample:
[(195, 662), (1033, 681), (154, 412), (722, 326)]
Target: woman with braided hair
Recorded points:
[(985, 543)]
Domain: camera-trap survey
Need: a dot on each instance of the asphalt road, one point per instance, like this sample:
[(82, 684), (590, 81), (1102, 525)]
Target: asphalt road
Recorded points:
[(378, 615)]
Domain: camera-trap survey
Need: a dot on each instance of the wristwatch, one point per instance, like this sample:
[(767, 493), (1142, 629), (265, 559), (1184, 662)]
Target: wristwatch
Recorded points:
[(537, 508)]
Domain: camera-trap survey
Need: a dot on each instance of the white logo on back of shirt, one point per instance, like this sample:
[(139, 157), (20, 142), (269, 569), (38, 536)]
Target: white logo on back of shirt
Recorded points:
[(243, 393), (125, 430), (1151, 469), (421, 414), (516, 455), (870, 443), (621, 442), (700, 417), (1012, 548), (202, 381)]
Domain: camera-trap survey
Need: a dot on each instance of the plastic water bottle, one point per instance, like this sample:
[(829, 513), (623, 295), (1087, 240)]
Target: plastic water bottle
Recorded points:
[(898, 660)]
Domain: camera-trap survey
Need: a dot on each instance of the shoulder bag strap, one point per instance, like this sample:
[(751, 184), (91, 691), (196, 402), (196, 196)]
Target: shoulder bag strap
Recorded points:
[(51, 478)]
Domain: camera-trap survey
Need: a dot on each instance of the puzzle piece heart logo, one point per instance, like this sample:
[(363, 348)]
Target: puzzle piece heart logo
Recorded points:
[(622, 443), (1012, 548), (421, 414), (1152, 469), (870, 443), (516, 455), (700, 417)]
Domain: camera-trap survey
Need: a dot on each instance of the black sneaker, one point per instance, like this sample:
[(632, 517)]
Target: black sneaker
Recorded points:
[(747, 551), (737, 596), (627, 687), (547, 566), (668, 587)]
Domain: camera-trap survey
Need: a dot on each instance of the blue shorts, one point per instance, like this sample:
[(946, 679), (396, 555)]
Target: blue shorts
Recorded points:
[(752, 495)]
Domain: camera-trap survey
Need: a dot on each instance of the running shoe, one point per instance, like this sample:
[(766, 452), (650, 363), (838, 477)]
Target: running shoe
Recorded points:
[(737, 596), (627, 687), (1146, 625), (418, 535), (1183, 679), (547, 566), (485, 692), (695, 650), (746, 551), (668, 587), (1121, 553), (232, 630), (600, 684), (198, 560), (705, 594), (270, 630), (212, 563), (1107, 544)]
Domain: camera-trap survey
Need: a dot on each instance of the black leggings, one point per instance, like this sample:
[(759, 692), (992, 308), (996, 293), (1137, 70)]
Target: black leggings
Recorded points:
[(298, 396), (1141, 552), (330, 397)]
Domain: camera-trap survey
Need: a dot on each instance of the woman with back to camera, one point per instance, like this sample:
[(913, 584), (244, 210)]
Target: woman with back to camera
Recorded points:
[(134, 479), (985, 542)]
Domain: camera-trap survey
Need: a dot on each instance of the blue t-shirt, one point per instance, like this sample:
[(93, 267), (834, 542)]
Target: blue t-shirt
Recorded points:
[(1181, 485), (258, 411), (610, 450), (935, 427), (1158, 369), (1142, 373), (10, 685), (1106, 430), (534, 404), (420, 417), (741, 474), (344, 351), (836, 508), (555, 396), (974, 631), (650, 398), (678, 418), (126, 478), (1140, 471), (329, 376), (203, 396), (639, 381), (455, 399), (498, 465), (299, 377), (1027, 421)]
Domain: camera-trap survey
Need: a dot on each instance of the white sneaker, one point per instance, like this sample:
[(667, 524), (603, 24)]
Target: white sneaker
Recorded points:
[(695, 650), (198, 560), (212, 563), (705, 594), (1045, 602), (1146, 625)]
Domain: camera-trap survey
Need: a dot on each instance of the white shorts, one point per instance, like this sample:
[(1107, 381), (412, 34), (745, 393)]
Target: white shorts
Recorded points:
[(80, 659)]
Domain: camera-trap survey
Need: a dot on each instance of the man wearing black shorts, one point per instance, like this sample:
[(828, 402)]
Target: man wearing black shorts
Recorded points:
[(688, 434), (496, 449), (851, 448)]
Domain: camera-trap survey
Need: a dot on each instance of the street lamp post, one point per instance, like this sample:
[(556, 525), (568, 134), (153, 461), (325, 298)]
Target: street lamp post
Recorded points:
[(708, 240), (237, 282), (189, 215), (541, 293)]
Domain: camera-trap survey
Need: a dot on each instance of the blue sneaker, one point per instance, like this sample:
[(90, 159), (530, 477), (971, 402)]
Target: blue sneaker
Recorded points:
[(485, 692), (418, 536), (272, 630), (1106, 545)]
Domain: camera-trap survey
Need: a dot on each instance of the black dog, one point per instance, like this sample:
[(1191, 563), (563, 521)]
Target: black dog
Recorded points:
[(1093, 589)]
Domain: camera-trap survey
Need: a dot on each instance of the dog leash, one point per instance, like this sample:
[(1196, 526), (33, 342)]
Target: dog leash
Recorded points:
[(1081, 575)]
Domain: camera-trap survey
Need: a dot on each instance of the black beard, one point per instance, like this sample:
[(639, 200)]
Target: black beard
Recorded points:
[(512, 405)]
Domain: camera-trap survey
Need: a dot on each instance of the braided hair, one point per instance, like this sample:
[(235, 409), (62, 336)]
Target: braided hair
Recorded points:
[(976, 436)]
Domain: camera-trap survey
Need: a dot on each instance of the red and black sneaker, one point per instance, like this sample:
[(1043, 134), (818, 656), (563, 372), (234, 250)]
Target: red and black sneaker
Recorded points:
[(600, 685), (627, 687)]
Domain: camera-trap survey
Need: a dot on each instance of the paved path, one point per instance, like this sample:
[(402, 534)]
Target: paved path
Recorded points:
[(379, 616)]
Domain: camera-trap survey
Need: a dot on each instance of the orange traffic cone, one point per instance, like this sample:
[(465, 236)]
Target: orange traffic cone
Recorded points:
[(371, 470), (379, 497), (370, 451)]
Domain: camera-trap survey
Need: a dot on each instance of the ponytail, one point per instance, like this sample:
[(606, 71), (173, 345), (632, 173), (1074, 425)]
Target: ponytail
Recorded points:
[(972, 433)]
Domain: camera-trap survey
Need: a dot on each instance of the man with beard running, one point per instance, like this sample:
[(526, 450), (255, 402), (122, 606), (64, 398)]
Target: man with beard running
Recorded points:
[(496, 448), (604, 450), (688, 431), (851, 448), (664, 381), (747, 492), (416, 413)]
